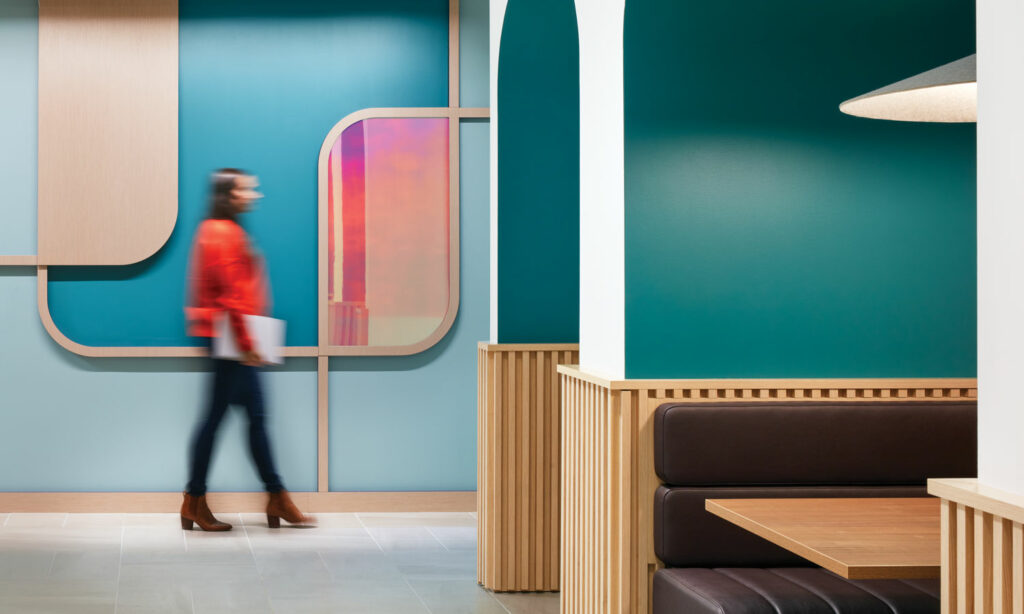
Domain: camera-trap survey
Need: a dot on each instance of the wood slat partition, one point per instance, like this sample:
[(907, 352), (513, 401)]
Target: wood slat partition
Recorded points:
[(982, 548), (518, 460), (608, 478)]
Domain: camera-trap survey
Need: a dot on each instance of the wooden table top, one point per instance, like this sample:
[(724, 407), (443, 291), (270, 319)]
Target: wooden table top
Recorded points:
[(858, 539)]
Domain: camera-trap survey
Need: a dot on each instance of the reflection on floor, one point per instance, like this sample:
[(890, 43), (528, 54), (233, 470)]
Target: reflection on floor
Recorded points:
[(380, 563)]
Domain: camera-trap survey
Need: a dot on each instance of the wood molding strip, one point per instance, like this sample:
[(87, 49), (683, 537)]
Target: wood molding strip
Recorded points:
[(792, 388), (323, 439), (18, 260), (528, 347), (93, 351), (170, 502)]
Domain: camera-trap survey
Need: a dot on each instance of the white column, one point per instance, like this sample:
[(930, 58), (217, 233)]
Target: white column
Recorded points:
[(602, 192), (497, 19), (1001, 244)]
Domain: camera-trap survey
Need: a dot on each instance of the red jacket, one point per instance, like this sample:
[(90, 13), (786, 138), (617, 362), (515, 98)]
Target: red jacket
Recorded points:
[(224, 276)]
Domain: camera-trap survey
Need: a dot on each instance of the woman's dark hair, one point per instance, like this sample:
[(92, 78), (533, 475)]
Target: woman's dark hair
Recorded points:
[(222, 181)]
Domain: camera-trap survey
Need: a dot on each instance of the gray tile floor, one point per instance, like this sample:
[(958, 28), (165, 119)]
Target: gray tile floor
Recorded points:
[(351, 563)]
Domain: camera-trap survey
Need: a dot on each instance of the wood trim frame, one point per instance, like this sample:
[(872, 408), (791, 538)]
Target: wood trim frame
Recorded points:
[(169, 502), (608, 478), (18, 260), (452, 114), (94, 351)]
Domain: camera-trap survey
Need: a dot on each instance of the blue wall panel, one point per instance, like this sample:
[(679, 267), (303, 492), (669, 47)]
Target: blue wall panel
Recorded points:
[(261, 85)]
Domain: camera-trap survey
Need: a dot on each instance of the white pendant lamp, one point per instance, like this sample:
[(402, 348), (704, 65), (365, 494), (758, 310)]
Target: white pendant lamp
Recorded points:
[(948, 94)]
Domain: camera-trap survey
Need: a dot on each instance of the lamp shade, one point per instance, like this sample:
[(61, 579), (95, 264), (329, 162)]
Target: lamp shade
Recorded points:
[(948, 94)]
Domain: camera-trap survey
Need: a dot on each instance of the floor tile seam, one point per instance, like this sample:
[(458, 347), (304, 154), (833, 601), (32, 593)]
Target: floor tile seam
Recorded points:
[(437, 539), (330, 574), (368, 532), (252, 552), (495, 598), (417, 593), (53, 559)]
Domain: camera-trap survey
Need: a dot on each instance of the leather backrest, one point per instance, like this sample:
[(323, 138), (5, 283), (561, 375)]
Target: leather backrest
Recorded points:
[(814, 443), (686, 535)]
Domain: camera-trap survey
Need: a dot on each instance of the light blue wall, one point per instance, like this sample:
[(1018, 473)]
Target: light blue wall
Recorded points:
[(409, 422), (474, 64), (18, 70), (78, 424)]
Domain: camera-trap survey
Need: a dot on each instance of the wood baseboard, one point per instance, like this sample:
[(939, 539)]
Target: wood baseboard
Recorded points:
[(169, 502)]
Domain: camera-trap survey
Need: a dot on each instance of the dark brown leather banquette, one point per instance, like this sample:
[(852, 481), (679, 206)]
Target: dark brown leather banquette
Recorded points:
[(816, 449)]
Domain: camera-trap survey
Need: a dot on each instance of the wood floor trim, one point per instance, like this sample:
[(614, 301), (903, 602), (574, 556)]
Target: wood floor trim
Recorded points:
[(170, 502)]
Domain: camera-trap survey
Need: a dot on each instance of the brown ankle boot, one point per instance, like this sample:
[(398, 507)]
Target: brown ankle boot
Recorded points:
[(281, 506), (194, 509)]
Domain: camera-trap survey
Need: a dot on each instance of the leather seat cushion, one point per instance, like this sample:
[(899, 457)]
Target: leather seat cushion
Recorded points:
[(787, 591)]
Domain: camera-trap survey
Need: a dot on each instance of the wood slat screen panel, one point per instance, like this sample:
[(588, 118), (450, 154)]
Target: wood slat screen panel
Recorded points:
[(518, 465), (608, 478), (982, 562)]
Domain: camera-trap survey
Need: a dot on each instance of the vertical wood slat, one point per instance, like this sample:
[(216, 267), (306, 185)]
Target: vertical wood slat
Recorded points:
[(964, 560), (1002, 562), (982, 562), (948, 578), (519, 460), (1017, 599)]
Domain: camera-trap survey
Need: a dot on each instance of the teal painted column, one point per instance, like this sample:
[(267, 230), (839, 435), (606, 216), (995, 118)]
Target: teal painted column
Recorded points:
[(538, 190)]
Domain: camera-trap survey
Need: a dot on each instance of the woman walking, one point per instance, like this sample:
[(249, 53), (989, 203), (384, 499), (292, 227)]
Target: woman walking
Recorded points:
[(227, 279)]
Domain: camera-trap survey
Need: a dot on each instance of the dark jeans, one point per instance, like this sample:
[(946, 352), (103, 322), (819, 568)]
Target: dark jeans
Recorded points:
[(233, 384)]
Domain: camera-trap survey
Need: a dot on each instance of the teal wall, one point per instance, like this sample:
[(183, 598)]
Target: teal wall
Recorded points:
[(80, 424), (18, 70), (769, 235), (538, 173)]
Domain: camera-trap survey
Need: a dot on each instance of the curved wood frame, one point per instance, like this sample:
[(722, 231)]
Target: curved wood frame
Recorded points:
[(452, 114)]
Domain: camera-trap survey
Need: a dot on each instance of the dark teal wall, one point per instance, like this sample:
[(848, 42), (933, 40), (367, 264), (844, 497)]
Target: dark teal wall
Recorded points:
[(538, 173), (261, 84), (769, 235)]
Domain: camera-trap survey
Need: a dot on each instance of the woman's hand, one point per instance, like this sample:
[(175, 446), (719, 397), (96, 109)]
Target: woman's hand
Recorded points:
[(252, 358)]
